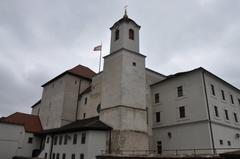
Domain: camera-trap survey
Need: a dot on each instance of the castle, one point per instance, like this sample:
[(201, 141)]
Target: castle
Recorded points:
[(127, 108)]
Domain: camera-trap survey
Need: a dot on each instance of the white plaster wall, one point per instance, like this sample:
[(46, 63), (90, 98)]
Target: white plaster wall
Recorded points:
[(223, 129), (95, 143), (187, 136), (194, 100), (94, 99), (59, 101), (111, 81), (10, 139), (124, 41), (27, 148), (14, 141), (151, 78), (222, 104), (52, 103), (222, 132), (71, 91), (36, 109)]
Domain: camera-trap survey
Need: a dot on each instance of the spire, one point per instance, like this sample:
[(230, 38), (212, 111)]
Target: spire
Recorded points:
[(125, 13)]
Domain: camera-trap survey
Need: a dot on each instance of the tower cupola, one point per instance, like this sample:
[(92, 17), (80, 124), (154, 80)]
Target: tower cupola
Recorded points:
[(125, 35)]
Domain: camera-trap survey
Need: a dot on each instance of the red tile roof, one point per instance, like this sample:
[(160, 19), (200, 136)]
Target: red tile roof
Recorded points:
[(82, 71), (30, 122), (79, 70)]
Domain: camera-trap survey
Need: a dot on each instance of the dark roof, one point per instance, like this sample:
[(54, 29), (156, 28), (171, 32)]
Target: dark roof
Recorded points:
[(34, 105), (126, 20), (155, 72), (85, 124), (194, 70), (30, 122), (175, 75), (79, 71)]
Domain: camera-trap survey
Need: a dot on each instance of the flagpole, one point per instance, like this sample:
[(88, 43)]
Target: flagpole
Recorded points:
[(100, 58)]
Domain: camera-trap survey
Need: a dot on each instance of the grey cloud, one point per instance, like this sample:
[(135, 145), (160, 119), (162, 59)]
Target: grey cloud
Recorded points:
[(41, 39)]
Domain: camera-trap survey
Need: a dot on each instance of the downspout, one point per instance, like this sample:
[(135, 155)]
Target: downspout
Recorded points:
[(52, 136), (110, 142), (208, 110), (79, 87)]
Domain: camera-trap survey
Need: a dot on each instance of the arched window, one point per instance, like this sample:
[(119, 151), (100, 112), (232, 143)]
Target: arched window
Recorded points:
[(131, 34), (117, 34)]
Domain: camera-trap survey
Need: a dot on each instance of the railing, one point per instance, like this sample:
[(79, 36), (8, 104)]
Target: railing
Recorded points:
[(172, 152)]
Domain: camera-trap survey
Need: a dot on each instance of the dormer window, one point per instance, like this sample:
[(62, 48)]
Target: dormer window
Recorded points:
[(131, 34), (117, 34)]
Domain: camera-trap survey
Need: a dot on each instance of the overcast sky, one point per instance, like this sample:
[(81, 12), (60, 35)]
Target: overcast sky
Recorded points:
[(40, 39)]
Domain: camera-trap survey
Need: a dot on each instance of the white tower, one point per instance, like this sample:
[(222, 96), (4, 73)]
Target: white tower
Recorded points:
[(123, 89)]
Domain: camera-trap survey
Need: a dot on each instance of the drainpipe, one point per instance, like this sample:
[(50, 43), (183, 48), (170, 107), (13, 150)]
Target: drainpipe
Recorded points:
[(208, 110)]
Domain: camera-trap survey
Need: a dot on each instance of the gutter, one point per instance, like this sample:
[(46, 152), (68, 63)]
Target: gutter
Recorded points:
[(208, 110)]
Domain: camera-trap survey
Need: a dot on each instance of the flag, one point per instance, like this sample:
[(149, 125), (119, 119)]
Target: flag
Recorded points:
[(97, 48)]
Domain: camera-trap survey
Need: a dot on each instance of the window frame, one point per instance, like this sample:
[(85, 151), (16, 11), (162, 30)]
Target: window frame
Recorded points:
[(226, 114), (180, 91), (223, 95), (213, 90), (131, 34), (182, 112), (158, 117), (116, 34), (83, 137), (156, 98), (216, 112), (75, 137)]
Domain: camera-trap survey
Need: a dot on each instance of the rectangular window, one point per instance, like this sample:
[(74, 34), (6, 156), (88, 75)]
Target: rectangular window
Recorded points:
[(63, 156), (45, 156), (30, 140), (226, 114), (83, 140), (65, 139), (223, 95), (159, 147), (156, 98), (213, 89), (85, 100), (180, 91), (158, 117), (53, 156), (73, 156), (231, 97), (57, 157), (182, 113), (229, 143), (235, 117), (84, 115), (216, 111), (60, 140), (55, 140), (48, 139), (238, 101), (75, 139), (221, 142), (81, 156)]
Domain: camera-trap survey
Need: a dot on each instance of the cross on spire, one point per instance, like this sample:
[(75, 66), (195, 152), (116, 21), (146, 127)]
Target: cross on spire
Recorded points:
[(125, 12)]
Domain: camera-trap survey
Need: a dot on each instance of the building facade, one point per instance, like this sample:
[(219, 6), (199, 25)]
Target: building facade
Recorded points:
[(130, 108)]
